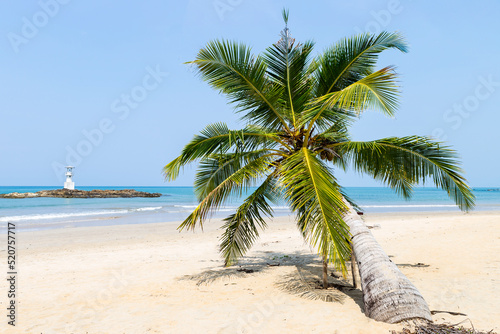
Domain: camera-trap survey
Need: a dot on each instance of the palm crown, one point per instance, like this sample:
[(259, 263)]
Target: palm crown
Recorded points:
[(298, 110)]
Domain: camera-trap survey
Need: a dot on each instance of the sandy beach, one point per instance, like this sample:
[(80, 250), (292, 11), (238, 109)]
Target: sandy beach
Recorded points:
[(151, 279)]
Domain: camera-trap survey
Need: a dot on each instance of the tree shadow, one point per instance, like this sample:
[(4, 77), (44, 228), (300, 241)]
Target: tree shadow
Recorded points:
[(261, 262), (305, 280), (416, 265)]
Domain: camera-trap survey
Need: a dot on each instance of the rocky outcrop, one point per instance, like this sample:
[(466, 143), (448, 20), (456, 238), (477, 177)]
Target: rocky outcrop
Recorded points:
[(67, 193), (19, 195)]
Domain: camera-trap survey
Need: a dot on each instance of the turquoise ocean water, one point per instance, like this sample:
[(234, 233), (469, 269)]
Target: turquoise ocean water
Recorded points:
[(177, 202)]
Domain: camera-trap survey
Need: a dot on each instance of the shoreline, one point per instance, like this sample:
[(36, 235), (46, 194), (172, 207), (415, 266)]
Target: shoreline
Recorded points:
[(178, 202), (146, 218), (139, 277)]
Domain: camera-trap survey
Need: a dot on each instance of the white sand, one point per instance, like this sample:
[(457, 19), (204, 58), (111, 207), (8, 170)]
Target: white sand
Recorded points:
[(143, 278)]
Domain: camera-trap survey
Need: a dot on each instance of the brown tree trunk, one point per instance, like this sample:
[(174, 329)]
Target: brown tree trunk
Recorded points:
[(356, 281), (325, 272), (388, 295)]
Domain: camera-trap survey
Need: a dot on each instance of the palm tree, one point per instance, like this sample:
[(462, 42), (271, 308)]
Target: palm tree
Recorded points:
[(298, 110)]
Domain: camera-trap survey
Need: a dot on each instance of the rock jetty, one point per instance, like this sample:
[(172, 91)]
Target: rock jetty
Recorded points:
[(67, 193)]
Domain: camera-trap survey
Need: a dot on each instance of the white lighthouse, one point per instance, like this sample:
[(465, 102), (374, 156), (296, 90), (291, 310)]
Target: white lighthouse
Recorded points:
[(69, 184)]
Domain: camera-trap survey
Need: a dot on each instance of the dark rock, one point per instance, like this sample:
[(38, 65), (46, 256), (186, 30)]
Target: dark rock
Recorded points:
[(67, 193)]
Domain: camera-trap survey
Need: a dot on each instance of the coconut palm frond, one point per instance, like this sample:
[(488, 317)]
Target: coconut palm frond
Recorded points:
[(403, 162), (378, 90), (287, 65), (231, 68), (311, 190), (241, 229), (335, 119), (216, 168), (218, 138), (235, 184), (353, 58)]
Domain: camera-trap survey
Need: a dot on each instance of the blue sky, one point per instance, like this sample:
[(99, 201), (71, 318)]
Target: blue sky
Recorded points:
[(102, 84)]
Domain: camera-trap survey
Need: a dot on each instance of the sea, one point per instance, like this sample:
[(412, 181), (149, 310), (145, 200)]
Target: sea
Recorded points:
[(176, 203)]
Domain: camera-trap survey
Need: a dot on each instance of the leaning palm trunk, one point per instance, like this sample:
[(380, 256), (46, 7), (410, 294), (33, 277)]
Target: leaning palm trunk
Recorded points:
[(388, 295)]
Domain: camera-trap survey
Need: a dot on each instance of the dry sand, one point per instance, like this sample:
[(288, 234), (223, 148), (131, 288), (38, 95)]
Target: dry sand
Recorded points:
[(151, 279)]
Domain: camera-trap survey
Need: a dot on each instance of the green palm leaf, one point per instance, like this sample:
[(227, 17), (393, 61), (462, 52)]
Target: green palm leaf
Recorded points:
[(241, 229), (403, 162), (377, 90), (353, 58), (231, 68), (313, 194), (216, 168), (218, 138), (234, 184), (287, 65)]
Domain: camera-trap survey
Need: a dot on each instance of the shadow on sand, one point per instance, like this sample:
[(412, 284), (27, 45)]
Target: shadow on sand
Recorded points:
[(303, 280)]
